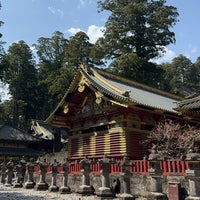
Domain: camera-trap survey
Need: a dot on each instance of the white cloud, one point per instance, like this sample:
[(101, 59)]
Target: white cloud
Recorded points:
[(56, 11), (194, 50), (73, 31), (167, 57), (83, 3), (94, 32), (32, 48)]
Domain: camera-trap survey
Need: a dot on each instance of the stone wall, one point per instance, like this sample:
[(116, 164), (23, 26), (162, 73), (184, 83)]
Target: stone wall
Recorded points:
[(139, 183)]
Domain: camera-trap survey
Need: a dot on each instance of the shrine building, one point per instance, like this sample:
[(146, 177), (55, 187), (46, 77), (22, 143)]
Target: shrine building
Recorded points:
[(15, 143), (108, 114)]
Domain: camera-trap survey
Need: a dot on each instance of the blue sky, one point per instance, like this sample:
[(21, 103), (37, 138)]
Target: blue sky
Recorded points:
[(29, 20)]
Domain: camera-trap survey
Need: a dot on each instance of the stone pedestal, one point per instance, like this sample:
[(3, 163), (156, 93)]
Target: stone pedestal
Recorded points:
[(105, 190), (29, 184), (65, 189), (42, 185), (9, 172), (156, 196), (193, 175), (85, 188), (54, 169)]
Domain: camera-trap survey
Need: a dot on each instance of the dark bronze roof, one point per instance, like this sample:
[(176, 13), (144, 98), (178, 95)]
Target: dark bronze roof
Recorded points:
[(9, 133)]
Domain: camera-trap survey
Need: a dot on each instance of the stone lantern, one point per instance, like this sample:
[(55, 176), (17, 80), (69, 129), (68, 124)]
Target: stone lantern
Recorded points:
[(155, 173), (42, 185), (54, 169), (3, 172), (30, 170), (19, 170), (9, 172), (105, 190), (85, 188), (65, 189), (193, 174), (126, 164)]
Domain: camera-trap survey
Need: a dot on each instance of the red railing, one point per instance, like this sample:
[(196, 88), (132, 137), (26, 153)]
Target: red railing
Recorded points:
[(169, 167), (174, 167), (140, 167)]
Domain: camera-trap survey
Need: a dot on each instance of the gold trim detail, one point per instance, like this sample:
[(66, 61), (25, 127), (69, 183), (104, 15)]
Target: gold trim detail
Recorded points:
[(80, 146), (93, 145), (81, 85), (107, 143), (65, 109), (98, 97), (108, 84)]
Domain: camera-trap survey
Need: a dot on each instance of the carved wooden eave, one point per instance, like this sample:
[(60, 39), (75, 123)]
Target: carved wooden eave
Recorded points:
[(108, 91), (106, 87), (80, 83)]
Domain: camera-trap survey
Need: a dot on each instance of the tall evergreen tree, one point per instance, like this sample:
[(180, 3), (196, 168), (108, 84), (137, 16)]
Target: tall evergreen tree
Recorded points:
[(21, 75), (178, 75), (136, 32), (137, 26), (51, 53), (79, 50), (195, 76)]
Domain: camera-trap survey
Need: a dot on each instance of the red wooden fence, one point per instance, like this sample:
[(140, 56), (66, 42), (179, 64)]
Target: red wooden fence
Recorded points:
[(169, 167)]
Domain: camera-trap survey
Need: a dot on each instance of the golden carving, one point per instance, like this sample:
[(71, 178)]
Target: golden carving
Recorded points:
[(98, 97), (81, 85), (66, 109)]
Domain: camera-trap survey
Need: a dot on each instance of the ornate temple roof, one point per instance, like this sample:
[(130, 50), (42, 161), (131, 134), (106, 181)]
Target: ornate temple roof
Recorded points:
[(117, 90), (133, 92)]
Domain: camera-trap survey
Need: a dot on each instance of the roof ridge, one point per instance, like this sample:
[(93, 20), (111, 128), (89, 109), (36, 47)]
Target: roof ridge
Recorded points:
[(128, 81)]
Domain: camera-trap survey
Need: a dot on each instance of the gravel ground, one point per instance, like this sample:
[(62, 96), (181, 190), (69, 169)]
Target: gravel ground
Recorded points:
[(10, 193)]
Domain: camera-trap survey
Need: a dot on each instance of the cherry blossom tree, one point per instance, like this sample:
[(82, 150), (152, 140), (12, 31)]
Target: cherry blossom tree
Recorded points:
[(172, 139)]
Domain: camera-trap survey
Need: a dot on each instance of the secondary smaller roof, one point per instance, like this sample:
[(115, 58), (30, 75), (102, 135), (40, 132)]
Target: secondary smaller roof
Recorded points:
[(10, 133)]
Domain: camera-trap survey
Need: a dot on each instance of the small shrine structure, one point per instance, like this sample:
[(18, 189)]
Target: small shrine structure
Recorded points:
[(15, 143)]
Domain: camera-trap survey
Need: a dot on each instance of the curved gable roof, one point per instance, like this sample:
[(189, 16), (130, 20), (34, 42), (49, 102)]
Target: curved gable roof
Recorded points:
[(136, 93), (120, 91)]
